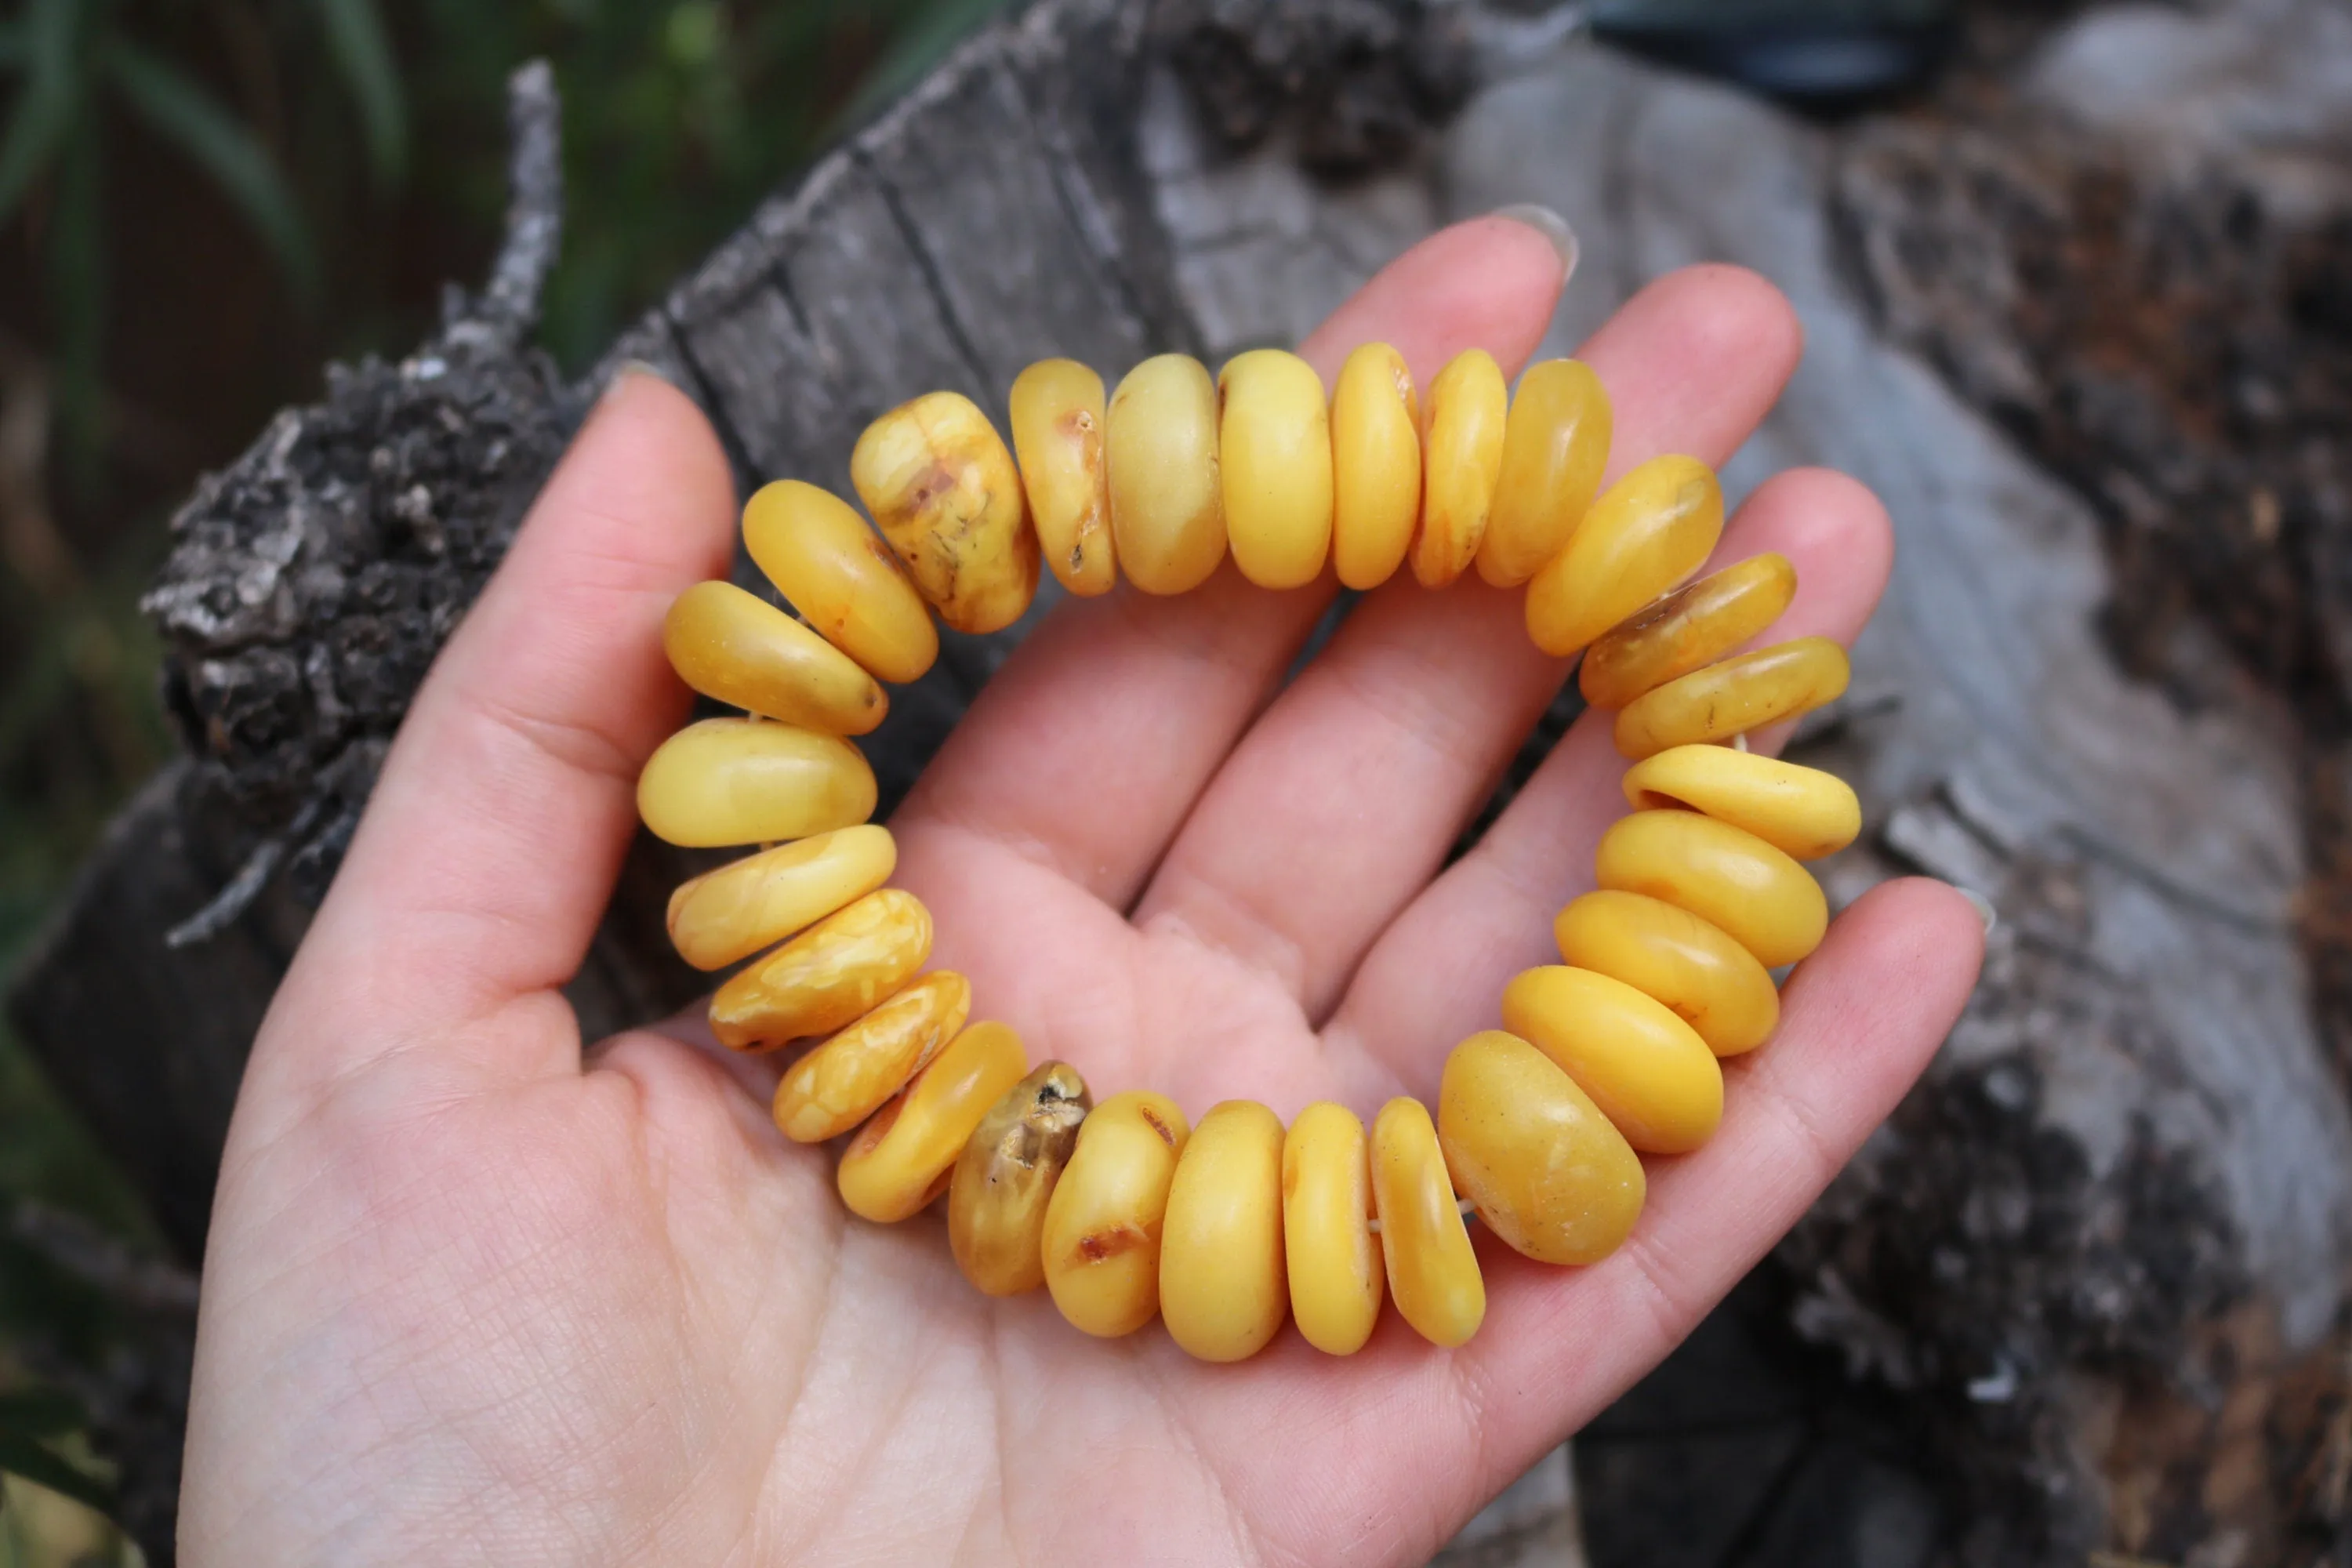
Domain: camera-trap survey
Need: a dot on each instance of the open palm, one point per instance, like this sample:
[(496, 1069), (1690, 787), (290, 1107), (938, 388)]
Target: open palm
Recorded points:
[(472, 1297)]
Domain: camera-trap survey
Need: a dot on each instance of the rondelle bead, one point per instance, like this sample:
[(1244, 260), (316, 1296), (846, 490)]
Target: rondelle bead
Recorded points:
[(1689, 628), (1432, 1272), (1461, 457), (1647, 1071), (754, 903), (1555, 445), (1005, 1177), (1101, 1245), (1167, 502), (944, 492), (1375, 466), (1332, 1259), (1702, 977), (845, 582), (741, 651), (1274, 451), (1223, 1280), (1801, 812), (848, 1079), (826, 976), (745, 781), (1057, 408), (1654, 528), (1724, 875), (1545, 1169), (1743, 693), (903, 1157)]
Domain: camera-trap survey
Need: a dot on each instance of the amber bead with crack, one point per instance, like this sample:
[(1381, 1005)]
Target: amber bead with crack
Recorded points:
[(1461, 457), (849, 1077), (827, 975), (1005, 1177), (1057, 408), (1652, 529), (1101, 1245), (1689, 628), (1740, 694), (901, 1158), (945, 492)]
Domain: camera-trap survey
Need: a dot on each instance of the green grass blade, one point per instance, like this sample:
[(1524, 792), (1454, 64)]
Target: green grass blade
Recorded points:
[(363, 52), (45, 105)]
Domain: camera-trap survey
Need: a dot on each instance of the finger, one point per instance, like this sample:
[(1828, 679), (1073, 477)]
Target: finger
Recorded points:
[(1343, 800)]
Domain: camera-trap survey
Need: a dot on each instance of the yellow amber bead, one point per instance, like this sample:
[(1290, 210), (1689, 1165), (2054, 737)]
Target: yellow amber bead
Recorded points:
[(1545, 1169), (1687, 629), (745, 781), (1652, 529), (1734, 697), (1056, 407), (736, 910), (1224, 1282), (1801, 812), (1375, 466), (1433, 1273), (902, 1158), (1167, 502), (1647, 1071), (743, 651), (1461, 457), (848, 1077), (1331, 1258), (944, 492), (1702, 977), (827, 975), (1724, 875), (1101, 1246), (1005, 1178), (1555, 445), (844, 581), (1274, 451)]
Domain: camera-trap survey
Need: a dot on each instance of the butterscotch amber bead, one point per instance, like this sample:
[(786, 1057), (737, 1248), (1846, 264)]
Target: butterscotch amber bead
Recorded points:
[(1433, 1273), (1647, 1071), (1555, 445), (1802, 812), (741, 651), (902, 1158), (1004, 1180), (744, 781), (1273, 450), (1166, 500), (1101, 1245), (827, 975), (1375, 466), (844, 581), (1223, 1279), (1734, 697), (1056, 407), (1461, 457), (1544, 1168), (945, 492), (1652, 529), (1724, 875), (1693, 967), (1687, 628), (1331, 1258), (736, 910), (848, 1077)]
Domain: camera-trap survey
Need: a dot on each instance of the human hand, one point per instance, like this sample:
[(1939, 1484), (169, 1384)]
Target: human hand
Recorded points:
[(473, 1294)]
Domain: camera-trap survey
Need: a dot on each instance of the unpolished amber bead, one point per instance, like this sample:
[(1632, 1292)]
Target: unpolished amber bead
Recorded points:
[(827, 975), (1005, 1177), (845, 582), (1273, 450), (1223, 1280), (1167, 502), (1555, 445), (848, 1077), (1647, 1071), (1375, 466), (945, 492), (1433, 1273), (1461, 457), (1724, 875), (1331, 1256), (1056, 407), (736, 910), (1687, 629), (740, 649), (901, 1158), (1703, 977), (1101, 1245), (745, 781), (1734, 697), (1545, 1169), (1652, 529), (1801, 812)]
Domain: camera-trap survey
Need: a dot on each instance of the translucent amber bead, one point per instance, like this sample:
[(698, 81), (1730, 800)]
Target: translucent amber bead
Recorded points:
[(1724, 875), (1057, 435), (1461, 457), (1544, 1168), (1432, 1274), (1167, 502), (1647, 1071), (743, 651), (1685, 629), (902, 1158), (745, 781), (1375, 466), (848, 1077), (1655, 527), (1801, 812), (1555, 445), (1734, 697), (1332, 1259), (736, 910), (1223, 1280), (944, 492), (1005, 1177), (1274, 450), (1694, 968), (827, 975), (1101, 1246), (828, 565)]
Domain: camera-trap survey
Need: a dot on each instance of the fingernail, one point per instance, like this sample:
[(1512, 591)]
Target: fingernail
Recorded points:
[(1984, 909), (628, 370), (1552, 226)]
